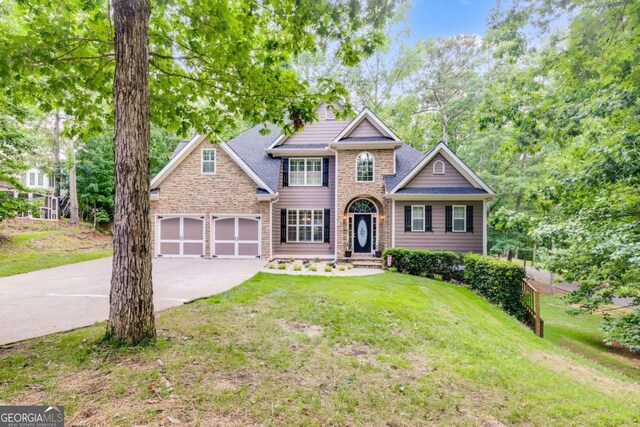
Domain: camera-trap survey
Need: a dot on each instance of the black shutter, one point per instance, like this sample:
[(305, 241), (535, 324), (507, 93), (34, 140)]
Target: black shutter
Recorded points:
[(325, 172), (448, 219), (428, 226), (283, 225), (407, 218), (469, 219), (327, 225), (285, 172)]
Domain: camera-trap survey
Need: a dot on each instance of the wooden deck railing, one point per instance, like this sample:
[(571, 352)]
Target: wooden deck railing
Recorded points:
[(531, 301)]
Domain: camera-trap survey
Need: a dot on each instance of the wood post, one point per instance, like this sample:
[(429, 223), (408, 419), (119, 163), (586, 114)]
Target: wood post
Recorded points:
[(538, 320)]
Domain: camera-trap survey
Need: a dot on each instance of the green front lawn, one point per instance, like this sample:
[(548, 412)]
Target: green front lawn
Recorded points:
[(387, 349), (28, 245), (580, 334)]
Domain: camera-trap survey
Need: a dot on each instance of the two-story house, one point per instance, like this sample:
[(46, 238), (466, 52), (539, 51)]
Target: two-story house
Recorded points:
[(335, 186)]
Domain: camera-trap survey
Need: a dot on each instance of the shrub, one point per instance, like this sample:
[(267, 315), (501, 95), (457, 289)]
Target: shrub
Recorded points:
[(497, 280), (282, 266), (313, 268), (623, 331), (270, 266), (342, 268), (297, 267), (425, 263), (328, 269)]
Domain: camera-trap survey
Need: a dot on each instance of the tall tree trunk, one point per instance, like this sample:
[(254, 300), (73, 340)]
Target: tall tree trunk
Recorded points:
[(74, 217), (56, 155), (131, 317), (445, 127)]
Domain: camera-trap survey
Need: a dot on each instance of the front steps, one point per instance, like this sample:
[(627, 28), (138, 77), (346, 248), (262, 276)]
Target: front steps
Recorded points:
[(363, 261)]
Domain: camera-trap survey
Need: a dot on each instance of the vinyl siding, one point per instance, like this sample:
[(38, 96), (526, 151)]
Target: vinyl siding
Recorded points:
[(305, 198), (321, 132), (451, 178), (438, 239), (364, 129)]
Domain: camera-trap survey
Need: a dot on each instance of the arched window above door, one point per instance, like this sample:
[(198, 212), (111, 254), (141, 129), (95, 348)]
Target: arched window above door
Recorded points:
[(363, 206)]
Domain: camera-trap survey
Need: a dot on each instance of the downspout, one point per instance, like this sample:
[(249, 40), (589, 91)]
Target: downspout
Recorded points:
[(484, 227), (335, 205), (271, 225)]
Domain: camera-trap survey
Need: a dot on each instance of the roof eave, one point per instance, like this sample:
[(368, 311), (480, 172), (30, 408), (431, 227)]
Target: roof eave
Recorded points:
[(280, 152), (365, 145), (439, 197)]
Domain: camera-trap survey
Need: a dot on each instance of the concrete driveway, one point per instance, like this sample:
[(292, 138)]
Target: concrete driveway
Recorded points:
[(70, 296)]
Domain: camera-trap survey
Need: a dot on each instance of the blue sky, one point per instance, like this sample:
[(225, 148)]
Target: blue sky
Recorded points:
[(442, 18)]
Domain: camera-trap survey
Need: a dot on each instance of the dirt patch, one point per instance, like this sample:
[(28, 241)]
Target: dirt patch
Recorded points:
[(312, 331), (582, 374)]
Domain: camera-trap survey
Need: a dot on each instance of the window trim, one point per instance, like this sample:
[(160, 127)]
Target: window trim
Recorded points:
[(305, 171), (373, 166), (434, 167), (313, 225), (215, 161), (453, 218), (423, 218)]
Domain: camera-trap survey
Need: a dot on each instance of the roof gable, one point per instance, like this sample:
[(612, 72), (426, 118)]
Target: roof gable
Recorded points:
[(368, 120), (441, 149), (426, 178), (247, 150)]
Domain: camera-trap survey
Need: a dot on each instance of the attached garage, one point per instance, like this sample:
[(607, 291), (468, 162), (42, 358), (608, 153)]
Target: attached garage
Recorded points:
[(180, 236), (236, 236)]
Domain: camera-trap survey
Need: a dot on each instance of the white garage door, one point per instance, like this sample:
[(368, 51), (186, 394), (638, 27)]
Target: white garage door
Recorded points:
[(180, 236), (235, 237)]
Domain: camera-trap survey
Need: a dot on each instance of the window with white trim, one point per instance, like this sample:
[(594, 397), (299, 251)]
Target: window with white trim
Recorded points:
[(305, 172), (459, 218), (209, 160), (32, 179), (417, 218), (438, 167), (364, 167), (305, 225)]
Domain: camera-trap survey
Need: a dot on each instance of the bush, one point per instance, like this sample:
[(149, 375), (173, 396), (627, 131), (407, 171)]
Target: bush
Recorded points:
[(623, 331), (297, 267), (282, 266), (328, 269), (497, 280), (425, 263), (313, 268)]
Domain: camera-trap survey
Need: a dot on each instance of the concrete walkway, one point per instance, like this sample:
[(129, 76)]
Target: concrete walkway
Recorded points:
[(75, 295)]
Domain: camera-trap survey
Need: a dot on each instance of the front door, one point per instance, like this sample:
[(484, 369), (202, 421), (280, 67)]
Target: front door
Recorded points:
[(362, 235)]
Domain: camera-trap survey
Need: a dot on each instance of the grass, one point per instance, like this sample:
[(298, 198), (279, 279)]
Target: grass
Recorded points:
[(387, 349), (580, 334), (28, 245)]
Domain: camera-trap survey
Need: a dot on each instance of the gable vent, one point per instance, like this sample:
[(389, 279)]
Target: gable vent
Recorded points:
[(328, 113)]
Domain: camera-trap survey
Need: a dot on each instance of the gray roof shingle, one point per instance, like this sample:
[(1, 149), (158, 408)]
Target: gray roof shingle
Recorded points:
[(407, 158), (300, 147), (251, 147), (366, 139), (179, 148)]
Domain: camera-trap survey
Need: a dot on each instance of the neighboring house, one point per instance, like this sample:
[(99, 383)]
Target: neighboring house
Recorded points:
[(40, 188), (334, 186)]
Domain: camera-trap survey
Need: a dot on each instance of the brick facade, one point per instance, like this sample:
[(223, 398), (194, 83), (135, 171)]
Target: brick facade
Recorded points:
[(229, 191), (348, 190)]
